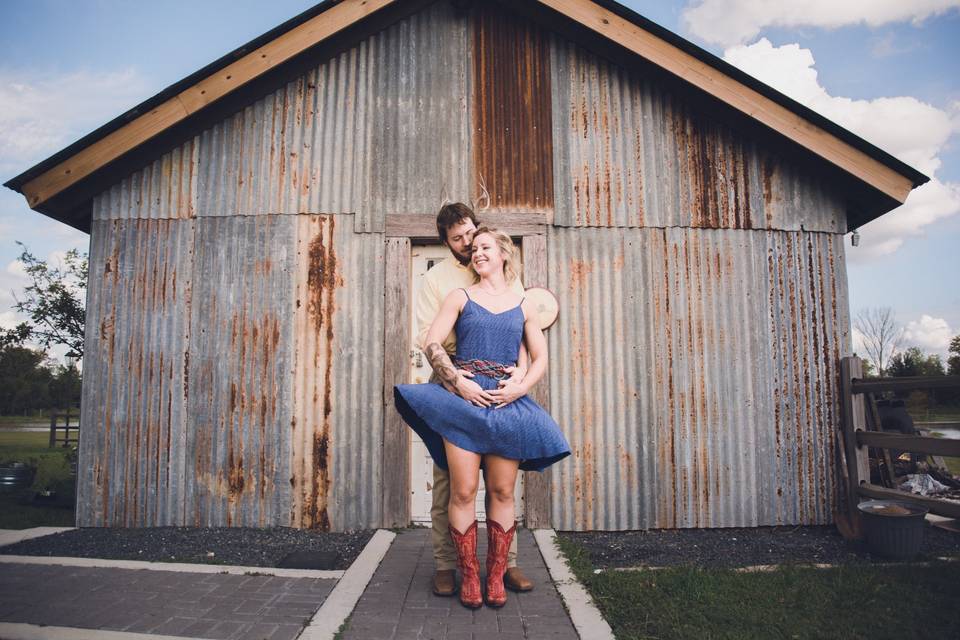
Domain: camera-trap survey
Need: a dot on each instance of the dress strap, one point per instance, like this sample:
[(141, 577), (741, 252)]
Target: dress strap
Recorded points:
[(465, 293)]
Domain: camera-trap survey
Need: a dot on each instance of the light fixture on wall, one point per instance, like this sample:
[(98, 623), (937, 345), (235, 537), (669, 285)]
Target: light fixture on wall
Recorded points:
[(855, 238)]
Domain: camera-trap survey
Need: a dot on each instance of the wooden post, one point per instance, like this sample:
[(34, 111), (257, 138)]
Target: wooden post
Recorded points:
[(396, 344), (53, 429), (536, 488), (854, 418)]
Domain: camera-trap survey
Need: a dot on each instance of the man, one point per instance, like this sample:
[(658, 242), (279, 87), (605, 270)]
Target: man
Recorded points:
[(455, 226)]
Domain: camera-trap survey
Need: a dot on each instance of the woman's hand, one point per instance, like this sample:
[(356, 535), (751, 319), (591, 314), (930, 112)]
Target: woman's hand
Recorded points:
[(517, 374), (473, 392), (507, 391)]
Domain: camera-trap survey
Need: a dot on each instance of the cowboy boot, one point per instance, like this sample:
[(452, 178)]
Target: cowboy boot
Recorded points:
[(498, 545), (466, 545)]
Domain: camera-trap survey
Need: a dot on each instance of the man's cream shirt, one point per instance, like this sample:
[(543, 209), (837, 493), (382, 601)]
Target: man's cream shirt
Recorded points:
[(438, 282)]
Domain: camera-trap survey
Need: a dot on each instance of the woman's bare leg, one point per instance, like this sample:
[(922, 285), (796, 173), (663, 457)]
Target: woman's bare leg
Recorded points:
[(464, 479), (501, 478)]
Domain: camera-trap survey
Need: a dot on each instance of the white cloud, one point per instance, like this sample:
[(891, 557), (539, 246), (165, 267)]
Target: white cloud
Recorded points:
[(42, 113), (729, 22), (929, 333), (911, 130)]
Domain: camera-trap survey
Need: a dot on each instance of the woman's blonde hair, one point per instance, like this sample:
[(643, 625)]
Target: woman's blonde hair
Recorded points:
[(511, 257)]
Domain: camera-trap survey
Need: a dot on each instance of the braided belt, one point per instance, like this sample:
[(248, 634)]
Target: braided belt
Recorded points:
[(487, 368)]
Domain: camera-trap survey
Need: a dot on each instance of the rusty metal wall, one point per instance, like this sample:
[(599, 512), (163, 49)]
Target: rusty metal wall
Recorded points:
[(338, 375), (513, 134), (694, 372), (131, 459), (222, 355), (240, 358), (166, 188), (382, 128), (420, 150), (294, 151), (631, 152)]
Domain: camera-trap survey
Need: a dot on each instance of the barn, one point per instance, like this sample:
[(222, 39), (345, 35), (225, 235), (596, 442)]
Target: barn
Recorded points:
[(254, 231)]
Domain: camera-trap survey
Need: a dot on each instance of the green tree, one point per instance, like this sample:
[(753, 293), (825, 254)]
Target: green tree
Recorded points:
[(24, 380), (953, 361), (54, 302), (65, 385), (914, 362)]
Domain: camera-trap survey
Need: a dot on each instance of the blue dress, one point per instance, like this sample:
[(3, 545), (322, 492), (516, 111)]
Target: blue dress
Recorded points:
[(521, 430)]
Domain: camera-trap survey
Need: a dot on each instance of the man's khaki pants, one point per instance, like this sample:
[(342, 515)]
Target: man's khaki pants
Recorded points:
[(444, 554)]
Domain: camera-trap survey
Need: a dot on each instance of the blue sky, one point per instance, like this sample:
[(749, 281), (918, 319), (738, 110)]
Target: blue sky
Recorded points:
[(889, 71)]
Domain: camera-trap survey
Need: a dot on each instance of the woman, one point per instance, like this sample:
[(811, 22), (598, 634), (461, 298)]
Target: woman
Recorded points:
[(476, 416)]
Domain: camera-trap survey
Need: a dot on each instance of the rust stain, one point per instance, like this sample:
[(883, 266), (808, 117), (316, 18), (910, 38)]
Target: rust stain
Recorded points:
[(323, 280), (513, 134), (579, 270)]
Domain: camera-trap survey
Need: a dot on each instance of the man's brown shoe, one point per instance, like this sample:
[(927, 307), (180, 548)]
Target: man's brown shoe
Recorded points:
[(514, 580), (444, 582)]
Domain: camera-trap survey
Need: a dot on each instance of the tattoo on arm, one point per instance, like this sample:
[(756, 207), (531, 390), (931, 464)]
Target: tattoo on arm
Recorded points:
[(440, 361)]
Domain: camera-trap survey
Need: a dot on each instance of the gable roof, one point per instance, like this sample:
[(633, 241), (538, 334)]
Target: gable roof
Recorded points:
[(62, 185)]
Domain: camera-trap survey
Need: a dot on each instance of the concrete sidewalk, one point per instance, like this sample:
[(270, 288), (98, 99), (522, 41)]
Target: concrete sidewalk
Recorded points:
[(398, 604), (385, 595)]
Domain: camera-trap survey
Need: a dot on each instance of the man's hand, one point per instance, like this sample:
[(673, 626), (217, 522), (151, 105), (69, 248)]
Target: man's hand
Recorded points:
[(450, 386), (507, 392)]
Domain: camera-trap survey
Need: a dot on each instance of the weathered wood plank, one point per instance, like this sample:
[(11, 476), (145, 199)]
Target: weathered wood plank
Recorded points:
[(854, 418), (424, 226), (904, 384), (536, 490), (903, 442), (396, 442), (936, 505)]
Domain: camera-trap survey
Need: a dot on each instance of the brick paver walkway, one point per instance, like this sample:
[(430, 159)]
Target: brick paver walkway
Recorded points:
[(199, 605), (399, 605)]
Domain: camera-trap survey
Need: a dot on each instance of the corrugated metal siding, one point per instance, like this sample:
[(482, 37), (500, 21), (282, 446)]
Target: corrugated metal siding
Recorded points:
[(225, 356), (513, 133), (631, 153), (166, 188), (420, 148), (695, 374), (338, 372), (131, 470), (382, 128), (240, 359), (295, 150)]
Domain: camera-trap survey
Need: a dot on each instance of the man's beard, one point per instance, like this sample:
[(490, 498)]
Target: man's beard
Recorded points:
[(464, 260)]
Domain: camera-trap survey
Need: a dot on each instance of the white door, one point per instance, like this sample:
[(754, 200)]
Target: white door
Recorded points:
[(421, 465)]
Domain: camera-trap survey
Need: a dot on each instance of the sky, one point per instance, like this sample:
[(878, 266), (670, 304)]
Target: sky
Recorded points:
[(885, 69)]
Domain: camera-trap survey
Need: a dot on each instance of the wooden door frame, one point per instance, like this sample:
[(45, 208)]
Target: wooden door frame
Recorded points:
[(401, 231)]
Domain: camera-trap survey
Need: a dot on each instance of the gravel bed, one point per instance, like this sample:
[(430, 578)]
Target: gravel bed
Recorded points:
[(228, 546), (742, 547)]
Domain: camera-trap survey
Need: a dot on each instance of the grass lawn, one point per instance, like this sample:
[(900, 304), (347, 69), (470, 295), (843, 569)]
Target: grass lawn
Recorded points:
[(845, 602), (53, 471)]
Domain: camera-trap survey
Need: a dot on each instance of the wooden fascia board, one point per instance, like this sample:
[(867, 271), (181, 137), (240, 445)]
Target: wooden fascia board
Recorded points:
[(734, 93), (191, 100)]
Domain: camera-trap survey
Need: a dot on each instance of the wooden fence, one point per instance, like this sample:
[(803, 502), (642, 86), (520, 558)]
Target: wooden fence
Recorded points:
[(858, 397)]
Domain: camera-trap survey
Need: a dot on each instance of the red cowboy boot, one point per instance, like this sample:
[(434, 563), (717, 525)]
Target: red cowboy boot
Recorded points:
[(498, 545), (466, 545)]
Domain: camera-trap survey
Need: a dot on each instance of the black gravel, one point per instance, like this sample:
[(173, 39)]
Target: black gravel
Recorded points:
[(738, 547), (233, 546)]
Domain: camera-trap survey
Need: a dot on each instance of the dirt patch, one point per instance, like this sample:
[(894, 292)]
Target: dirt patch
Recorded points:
[(233, 545), (742, 547)]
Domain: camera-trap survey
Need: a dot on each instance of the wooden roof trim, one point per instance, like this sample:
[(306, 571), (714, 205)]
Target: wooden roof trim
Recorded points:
[(736, 94), (194, 98)]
